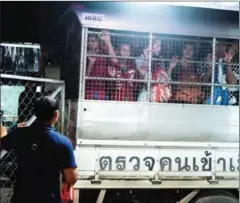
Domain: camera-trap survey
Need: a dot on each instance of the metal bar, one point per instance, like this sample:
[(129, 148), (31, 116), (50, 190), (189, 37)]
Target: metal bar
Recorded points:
[(76, 196), (135, 175), (214, 164), (101, 196), (81, 79), (189, 197), (149, 66), (152, 144), (7, 76), (97, 157), (62, 108), (153, 59), (24, 45), (166, 184), (162, 38), (143, 30), (119, 34), (82, 76), (239, 85), (153, 81), (84, 60), (2, 153), (113, 79), (53, 95), (68, 117), (109, 56), (213, 68)]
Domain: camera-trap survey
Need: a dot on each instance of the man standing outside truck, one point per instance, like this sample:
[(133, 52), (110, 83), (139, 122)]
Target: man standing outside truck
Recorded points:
[(43, 153)]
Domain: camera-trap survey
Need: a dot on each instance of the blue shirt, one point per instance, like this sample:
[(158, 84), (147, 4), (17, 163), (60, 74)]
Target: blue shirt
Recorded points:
[(42, 153)]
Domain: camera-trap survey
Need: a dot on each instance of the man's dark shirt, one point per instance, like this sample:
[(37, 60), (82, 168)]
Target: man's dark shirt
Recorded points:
[(41, 154)]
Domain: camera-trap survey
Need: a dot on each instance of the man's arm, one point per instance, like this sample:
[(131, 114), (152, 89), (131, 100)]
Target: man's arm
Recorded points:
[(3, 131), (69, 164)]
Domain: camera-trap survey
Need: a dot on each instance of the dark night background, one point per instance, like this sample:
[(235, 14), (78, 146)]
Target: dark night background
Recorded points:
[(34, 22), (31, 21)]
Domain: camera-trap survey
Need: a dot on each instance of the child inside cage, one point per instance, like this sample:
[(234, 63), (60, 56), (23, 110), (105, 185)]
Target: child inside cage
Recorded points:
[(233, 78), (184, 66), (185, 71), (96, 67), (205, 69), (226, 73), (122, 68), (160, 91)]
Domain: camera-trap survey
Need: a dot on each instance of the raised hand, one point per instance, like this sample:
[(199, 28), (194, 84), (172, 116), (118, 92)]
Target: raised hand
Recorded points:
[(173, 62), (91, 60), (22, 125), (146, 52), (105, 36)]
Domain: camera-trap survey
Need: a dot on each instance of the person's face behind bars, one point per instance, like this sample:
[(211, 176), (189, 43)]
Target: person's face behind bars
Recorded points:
[(188, 51), (93, 43), (125, 50)]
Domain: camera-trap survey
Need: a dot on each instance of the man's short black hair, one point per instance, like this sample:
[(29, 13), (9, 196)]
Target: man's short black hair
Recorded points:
[(45, 107)]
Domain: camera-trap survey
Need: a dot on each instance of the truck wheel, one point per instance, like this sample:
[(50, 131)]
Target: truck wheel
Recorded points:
[(217, 199)]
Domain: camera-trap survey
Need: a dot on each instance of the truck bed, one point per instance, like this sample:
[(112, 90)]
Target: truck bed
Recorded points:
[(102, 120)]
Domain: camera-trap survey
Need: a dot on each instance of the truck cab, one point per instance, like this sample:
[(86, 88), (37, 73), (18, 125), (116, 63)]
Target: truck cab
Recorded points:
[(153, 100)]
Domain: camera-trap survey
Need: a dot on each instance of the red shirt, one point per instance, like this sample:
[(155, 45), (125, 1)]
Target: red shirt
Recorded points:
[(186, 92), (95, 89), (124, 90)]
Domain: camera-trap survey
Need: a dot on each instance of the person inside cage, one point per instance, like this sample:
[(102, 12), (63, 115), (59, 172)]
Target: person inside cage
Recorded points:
[(226, 72), (232, 75), (186, 71), (161, 90), (122, 68), (184, 65), (205, 68), (96, 67)]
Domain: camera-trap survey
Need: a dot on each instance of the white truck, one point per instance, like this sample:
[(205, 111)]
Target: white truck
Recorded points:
[(147, 151)]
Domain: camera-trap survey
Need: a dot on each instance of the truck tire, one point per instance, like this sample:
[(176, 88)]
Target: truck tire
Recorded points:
[(217, 199), (216, 196)]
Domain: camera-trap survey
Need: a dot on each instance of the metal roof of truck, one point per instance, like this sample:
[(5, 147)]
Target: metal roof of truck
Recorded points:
[(160, 18)]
